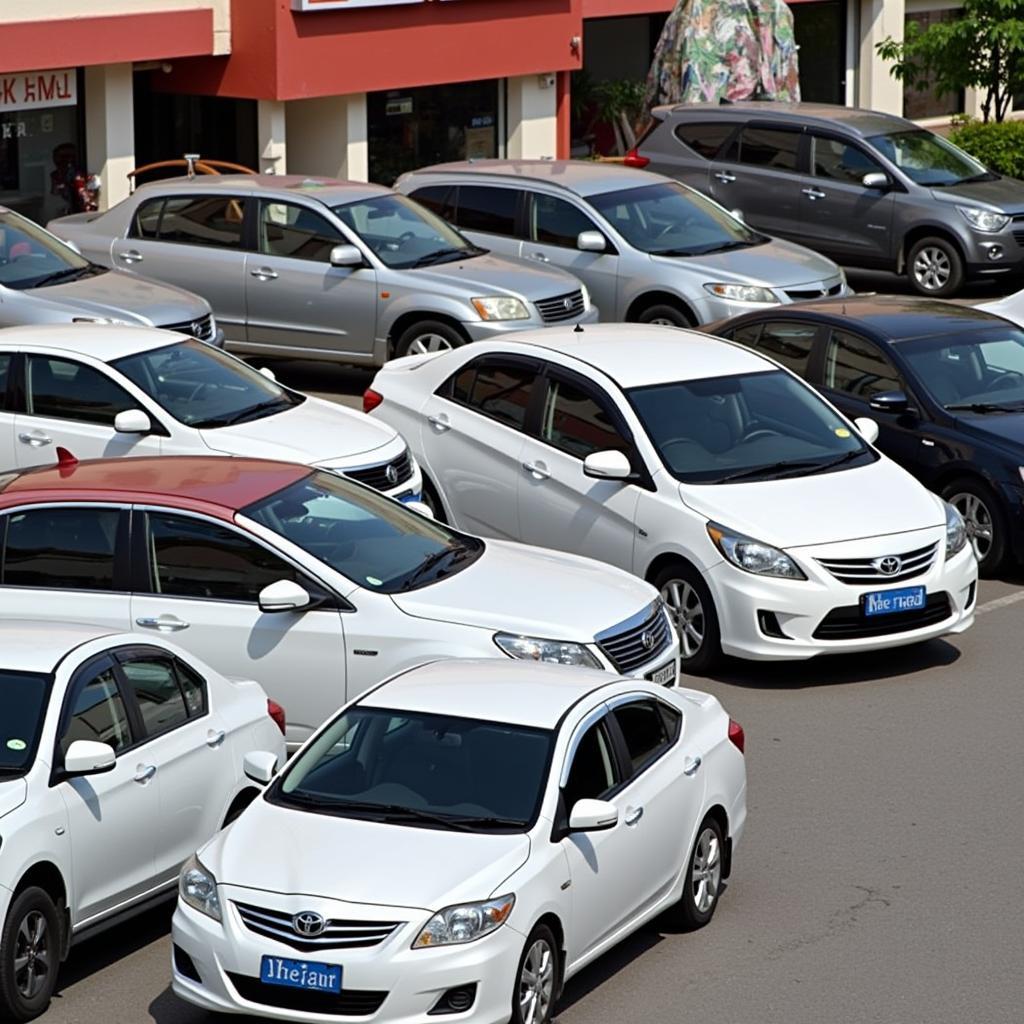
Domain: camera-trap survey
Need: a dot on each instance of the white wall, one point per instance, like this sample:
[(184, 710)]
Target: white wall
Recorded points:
[(110, 129), (532, 118), (876, 87), (327, 137)]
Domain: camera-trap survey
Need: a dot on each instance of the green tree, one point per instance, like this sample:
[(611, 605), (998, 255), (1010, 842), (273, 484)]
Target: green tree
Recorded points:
[(983, 49)]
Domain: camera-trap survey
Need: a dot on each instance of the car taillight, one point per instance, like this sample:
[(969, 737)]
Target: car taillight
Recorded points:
[(276, 712), (371, 399), (736, 736), (634, 159)]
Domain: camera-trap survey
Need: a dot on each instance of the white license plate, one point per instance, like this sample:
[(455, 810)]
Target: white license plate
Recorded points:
[(664, 676)]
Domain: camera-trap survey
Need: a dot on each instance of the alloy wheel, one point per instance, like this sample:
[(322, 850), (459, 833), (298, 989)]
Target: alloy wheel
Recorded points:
[(429, 342), (978, 520), (932, 268), (706, 876), (663, 321), (687, 610), (537, 983), (32, 964)]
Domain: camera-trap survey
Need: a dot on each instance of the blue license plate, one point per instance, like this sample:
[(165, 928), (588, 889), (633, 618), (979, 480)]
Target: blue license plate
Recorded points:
[(406, 498), (888, 602), (314, 977)]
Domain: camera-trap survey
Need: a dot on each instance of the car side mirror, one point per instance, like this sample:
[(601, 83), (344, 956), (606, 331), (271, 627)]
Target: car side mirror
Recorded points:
[(346, 256), (283, 596), (420, 508), (268, 373), (876, 180), (88, 757), (591, 241), (132, 421), (260, 766), (593, 816), (868, 429), (607, 465), (73, 246), (890, 401)]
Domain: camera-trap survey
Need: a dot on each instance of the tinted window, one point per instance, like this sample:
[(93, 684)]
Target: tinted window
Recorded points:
[(193, 685), (437, 199), (705, 138), (70, 548), (928, 159), (556, 222), (64, 390), (856, 367), (576, 422), (594, 770), (644, 730), (5, 366), (501, 391), (296, 232), (157, 693), (97, 713), (23, 696), (767, 147), (789, 343), (744, 335), (214, 221), (839, 161), (487, 209), (146, 222)]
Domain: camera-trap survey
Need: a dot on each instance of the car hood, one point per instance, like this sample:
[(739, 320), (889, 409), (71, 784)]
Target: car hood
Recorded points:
[(532, 591), (1005, 427), (851, 504), (123, 296), (283, 850), (494, 275), (1006, 194), (12, 795), (776, 263), (312, 433)]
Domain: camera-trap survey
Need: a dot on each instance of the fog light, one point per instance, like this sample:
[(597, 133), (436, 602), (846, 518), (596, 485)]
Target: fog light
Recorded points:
[(455, 1000), (183, 964), (768, 623), (995, 252)]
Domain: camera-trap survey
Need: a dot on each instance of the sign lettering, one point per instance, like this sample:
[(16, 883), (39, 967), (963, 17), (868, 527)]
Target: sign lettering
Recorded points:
[(33, 89), (344, 5)]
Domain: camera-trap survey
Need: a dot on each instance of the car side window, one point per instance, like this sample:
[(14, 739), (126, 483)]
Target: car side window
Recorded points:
[(644, 730), (705, 138), (154, 683), (499, 390), (788, 343), (96, 712), (773, 148), (437, 198), (841, 161), (296, 232), (60, 548), (5, 377), (211, 221), (576, 422), (146, 222), (488, 209), (193, 685), (553, 221), (65, 390), (594, 771), (857, 367), (746, 335)]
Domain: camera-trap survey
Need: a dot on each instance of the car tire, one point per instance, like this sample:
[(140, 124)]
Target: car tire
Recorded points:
[(433, 501), (702, 884), (935, 268), (31, 936), (666, 314), (986, 521), (537, 978), (427, 336), (693, 612)]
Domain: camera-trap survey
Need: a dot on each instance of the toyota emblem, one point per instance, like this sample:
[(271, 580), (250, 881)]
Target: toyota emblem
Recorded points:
[(648, 639), (308, 923), (890, 565), (392, 475)]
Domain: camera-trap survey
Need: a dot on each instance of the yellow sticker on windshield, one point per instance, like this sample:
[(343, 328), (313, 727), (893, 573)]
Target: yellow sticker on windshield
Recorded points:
[(16, 744), (842, 432)]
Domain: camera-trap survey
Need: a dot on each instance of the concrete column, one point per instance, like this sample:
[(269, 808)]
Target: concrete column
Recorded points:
[(532, 117), (876, 87), (327, 136), (270, 129), (110, 129)]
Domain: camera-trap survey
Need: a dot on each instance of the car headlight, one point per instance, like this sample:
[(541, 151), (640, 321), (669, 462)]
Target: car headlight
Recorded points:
[(741, 292), (956, 531), (556, 652), (465, 922), (752, 555), (501, 307), (198, 888), (984, 220), (585, 292)]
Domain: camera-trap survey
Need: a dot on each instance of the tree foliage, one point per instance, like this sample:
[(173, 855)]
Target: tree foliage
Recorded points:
[(1000, 147)]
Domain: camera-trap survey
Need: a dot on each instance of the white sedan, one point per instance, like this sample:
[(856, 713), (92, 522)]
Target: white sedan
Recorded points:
[(106, 390), (462, 840), (1010, 308), (771, 526), (119, 754)]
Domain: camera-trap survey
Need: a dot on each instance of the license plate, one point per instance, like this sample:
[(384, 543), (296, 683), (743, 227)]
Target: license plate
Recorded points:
[(406, 498), (888, 602), (664, 676), (305, 974)]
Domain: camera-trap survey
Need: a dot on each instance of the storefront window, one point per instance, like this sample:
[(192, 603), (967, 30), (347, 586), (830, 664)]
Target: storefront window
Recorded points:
[(410, 128)]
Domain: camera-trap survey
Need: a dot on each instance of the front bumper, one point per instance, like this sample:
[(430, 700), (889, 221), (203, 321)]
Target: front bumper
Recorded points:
[(1007, 246), (485, 330)]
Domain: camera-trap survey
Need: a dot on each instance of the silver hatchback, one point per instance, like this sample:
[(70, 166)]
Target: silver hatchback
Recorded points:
[(324, 269)]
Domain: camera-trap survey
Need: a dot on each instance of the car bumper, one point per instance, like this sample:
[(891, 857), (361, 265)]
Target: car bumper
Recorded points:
[(997, 253), (484, 330), (218, 340), (410, 489)]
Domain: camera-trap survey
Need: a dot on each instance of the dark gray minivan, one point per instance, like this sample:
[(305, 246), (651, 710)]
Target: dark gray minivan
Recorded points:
[(866, 189)]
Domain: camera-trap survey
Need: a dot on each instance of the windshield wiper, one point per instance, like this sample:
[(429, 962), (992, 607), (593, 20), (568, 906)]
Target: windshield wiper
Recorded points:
[(396, 812), (771, 468), (445, 255), (434, 560), (491, 822), (983, 407), (983, 176), (845, 457), (62, 275), (251, 413)]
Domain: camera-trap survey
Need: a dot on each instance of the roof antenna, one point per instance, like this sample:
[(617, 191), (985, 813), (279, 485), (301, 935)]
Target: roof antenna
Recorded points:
[(578, 329), (65, 460)]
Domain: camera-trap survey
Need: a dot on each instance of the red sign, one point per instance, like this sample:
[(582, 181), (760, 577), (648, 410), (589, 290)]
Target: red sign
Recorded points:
[(32, 89)]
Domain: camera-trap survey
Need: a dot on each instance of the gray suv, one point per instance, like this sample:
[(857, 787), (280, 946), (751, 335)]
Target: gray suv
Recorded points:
[(867, 189), (323, 269)]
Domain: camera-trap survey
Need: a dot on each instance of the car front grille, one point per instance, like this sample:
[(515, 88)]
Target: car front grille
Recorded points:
[(561, 307), (637, 641), (346, 1003), (274, 924), (385, 476), (866, 570), (850, 623), (201, 328), (800, 294), (1018, 229)]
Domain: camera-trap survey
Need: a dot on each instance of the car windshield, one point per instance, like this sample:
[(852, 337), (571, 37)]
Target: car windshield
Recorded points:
[(413, 768), (929, 159), (372, 540), (669, 219), (32, 258), (24, 697), (404, 234), (203, 387), (973, 371), (759, 426)]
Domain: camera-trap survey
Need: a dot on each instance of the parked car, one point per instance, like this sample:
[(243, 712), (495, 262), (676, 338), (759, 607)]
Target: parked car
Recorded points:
[(119, 754), (648, 249), (549, 813), (45, 281), (318, 585), (946, 383), (769, 524), (1011, 307), (867, 189), (323, 269), (102, 391)]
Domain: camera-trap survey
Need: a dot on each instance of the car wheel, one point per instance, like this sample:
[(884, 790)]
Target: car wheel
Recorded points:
[(428, 336), (666, 314), (703, 882), (935, 268), (537, 979), (986, 524), (30, 948), (692, 608), (432, 500)]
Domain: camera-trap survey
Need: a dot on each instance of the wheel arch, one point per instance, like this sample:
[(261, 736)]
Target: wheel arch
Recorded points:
[(47, 876), (654, 298), (718, 814), (405, 320), (554, 922), (664, 560), (919, 231)]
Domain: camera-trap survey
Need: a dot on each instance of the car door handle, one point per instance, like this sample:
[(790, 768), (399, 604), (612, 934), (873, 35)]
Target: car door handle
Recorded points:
[(690, 765), (130, 256), (35, 438), (725, 176), (164, 623), (440, 421), (264, 273), (215, 737), (632, 817), (538, 469), (144, 772), (813, 193), (540, 256)]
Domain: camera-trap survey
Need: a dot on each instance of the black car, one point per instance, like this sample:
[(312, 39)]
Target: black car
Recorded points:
[(944, 382)]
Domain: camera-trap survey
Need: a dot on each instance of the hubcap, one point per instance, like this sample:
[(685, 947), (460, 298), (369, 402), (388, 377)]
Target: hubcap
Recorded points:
[(932, 268), (685, 606), (429, 342), (663, 321), (31, 955), (537, 983), (977, 519), (707, 870)]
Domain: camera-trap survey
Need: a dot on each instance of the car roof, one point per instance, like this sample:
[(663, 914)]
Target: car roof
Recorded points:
[(208, 483), (583, 177), (27, 645), (106, 342), (326, 190), (527, 693)]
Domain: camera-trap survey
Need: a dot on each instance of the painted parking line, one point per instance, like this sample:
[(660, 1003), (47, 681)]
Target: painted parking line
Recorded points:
[(999, 602)]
